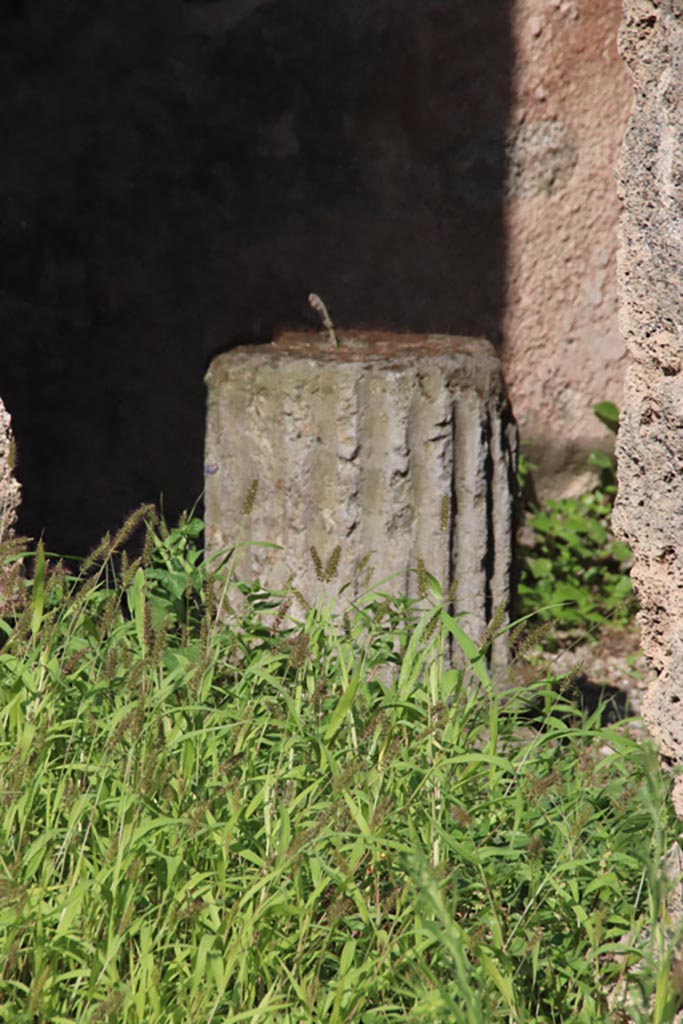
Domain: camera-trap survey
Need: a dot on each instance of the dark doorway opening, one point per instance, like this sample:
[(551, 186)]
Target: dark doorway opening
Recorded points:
[(179, 176)]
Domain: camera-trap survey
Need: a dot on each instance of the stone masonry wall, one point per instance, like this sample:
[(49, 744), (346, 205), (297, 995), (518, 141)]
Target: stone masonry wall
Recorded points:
[(649, 512), (563, 350), (10, 497), (10, 491)]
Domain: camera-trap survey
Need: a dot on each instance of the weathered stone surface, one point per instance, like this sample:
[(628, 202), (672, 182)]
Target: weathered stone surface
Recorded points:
[(649, 511), (563, 350), (359, 447), (10, 497), (10, 492)]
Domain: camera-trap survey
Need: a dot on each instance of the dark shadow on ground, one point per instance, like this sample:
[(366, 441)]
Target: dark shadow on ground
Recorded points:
[(581, 697)]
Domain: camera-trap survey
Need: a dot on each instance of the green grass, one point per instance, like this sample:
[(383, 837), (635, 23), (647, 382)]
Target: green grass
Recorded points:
[(574, 571), (210, 813)]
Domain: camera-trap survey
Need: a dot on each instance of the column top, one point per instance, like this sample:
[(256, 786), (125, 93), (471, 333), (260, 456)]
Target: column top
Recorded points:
[(361, 345), (468, 358)]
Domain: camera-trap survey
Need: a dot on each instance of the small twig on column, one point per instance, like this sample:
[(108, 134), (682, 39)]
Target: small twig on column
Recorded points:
[(316, 303)]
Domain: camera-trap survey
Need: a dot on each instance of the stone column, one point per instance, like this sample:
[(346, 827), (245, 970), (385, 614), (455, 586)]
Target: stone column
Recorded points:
[(396, 447), (649, 511)]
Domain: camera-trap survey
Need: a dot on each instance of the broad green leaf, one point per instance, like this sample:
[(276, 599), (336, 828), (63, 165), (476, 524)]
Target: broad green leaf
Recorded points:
[(607, 413), (344, 705)]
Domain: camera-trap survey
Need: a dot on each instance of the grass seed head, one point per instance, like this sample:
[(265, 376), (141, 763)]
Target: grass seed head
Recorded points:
[(126, 531), (151, 524), (301, 598), (432, 625), (524, 641), (209, 595), (317, 564), (445, 513), (128, 570), (332, 566), (461, 816), (111, 663), (492, 628), (534, 846), (422, 582), (109, 614), (280, 615), (149, 634), (248, 506), (298, 650), (73, 661), (362, 565), (156, 639), (380, 611), (98, 554)]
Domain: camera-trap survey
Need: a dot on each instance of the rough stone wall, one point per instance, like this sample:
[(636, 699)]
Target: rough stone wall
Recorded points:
[(10, 491), (649, 511), (563, 350)]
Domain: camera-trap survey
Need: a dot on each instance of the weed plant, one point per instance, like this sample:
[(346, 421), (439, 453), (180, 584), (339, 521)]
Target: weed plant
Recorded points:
[(208, 815), (575, 573)]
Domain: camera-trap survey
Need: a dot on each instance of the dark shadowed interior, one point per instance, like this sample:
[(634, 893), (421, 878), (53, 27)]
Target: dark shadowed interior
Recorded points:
[(177, 177)]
